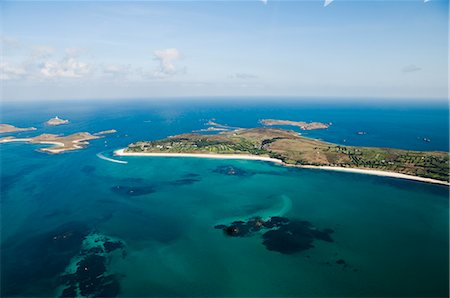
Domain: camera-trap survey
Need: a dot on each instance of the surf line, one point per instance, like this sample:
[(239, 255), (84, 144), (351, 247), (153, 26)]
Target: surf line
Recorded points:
[(100, 155)]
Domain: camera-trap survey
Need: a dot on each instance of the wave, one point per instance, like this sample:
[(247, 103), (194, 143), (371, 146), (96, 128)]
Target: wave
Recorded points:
[(100, 155)]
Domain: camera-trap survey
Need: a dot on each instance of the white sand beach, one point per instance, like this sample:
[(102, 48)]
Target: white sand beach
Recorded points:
[(378, 173), (121, 152)]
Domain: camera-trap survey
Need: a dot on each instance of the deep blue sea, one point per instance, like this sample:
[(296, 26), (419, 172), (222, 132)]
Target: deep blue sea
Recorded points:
[(74, 224)]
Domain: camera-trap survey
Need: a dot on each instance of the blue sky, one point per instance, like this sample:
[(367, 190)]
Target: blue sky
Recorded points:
[(357, 49)]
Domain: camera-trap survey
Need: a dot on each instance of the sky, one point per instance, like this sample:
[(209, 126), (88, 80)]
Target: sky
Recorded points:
[(153, 49)]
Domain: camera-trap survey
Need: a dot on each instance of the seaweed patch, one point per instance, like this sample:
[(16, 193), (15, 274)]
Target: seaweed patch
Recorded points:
[(281, 234), (231, 171), (87, 274), (42, 257), (132, 191), (184, 181)]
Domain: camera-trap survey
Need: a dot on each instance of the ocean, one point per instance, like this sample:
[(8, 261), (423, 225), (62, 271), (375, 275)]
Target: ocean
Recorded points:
[(76, 224)]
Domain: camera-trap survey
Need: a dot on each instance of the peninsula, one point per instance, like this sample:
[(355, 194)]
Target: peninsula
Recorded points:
[(301, 124), (56, 121), (290, 149), (4, 128), (60, 143)]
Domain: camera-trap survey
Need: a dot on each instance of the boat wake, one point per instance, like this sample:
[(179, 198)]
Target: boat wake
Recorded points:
[(100, 155)]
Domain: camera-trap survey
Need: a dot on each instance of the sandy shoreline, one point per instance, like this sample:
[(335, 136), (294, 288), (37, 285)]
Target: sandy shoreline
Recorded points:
[(121, 152), (30, 140)]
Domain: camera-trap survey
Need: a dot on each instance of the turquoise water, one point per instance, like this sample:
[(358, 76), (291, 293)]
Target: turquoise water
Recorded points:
[(389, 237)]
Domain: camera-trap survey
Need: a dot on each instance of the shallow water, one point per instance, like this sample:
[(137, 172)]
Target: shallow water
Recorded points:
[(390, 237)]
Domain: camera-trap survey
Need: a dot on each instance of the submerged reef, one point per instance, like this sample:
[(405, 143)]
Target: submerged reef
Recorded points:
[(231, 171), (281, 234), (133, 187), (70, 260), (87, 274), (43, 256), (132, 191), (184, 181)]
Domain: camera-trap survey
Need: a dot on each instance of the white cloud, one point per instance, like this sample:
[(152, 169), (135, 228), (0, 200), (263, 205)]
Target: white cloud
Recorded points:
[(327, 2), (67, 68), (116, 69), (11, 72), (264, 1), (166, 59)]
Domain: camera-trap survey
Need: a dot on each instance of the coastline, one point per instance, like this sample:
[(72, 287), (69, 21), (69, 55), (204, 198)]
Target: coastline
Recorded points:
[(121, 152), (58, 147)]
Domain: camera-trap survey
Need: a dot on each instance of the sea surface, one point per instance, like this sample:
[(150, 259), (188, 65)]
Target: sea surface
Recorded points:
[(78, 224)]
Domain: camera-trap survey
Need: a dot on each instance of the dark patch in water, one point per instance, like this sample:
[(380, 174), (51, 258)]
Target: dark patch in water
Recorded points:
[(415, 186), (244, 229), (341, 262), (70, 292), (112, 245), (88, 169), (8, 181), (191, 175), (132, 191), (292, 237), (29, 260), (90, 277), (56, 213), (185, 181), (276, 221), (232, 171), (284, 235)]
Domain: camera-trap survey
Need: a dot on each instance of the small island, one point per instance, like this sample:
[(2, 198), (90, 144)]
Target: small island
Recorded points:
[(290, 149), (56, 121), (105, 132), (301, 124), (4, 128), (60, 143)]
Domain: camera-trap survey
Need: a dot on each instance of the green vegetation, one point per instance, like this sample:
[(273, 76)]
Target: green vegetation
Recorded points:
[(294, 149)]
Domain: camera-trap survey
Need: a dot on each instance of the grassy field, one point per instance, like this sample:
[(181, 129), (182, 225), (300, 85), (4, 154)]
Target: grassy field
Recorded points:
[(294, 149)]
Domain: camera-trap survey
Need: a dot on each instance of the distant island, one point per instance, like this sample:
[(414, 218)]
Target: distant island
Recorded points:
[(56, 121), (104, 132), (301, 124), (290, 149), (4, 128), (60, 143)]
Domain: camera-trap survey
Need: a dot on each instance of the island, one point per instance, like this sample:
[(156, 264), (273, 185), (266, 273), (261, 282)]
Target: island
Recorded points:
[(4, 128), (288, 148), (60, 143), (56, 121), (104, 132), (301, 124)]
